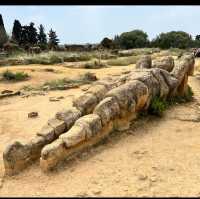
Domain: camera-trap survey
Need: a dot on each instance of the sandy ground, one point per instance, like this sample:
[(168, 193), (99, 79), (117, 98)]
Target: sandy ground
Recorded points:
[(40, 76), (155, 157)]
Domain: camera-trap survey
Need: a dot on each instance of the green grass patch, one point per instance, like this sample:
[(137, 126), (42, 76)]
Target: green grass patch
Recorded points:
[(159, 105), (18, 76)]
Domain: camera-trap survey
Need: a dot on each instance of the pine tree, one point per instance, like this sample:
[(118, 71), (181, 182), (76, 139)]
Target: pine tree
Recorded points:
[(24, 36), (53, 39), (117, 41), (29, 36), (32, 34), (42, 37), (197, 37), (17, 31), (3, 35)]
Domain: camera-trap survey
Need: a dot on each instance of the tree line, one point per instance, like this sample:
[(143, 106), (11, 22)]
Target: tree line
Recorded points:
[(139, 39), (26, 36)]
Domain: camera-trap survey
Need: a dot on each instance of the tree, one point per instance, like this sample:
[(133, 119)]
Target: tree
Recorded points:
[(53, 39), (196, 42), (25, 36), (133, 39), (17, 31), (116, 41), (42, 37), (3, 34), (32, 34), (107, 43), (29, 36), (197, 37), (173, 39)]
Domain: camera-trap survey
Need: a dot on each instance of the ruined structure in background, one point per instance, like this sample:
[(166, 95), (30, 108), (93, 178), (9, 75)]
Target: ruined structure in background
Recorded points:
[(107, 105), (81, 47)]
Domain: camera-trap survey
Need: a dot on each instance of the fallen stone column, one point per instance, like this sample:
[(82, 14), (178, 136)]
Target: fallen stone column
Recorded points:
[(116, 110), (113, 112)]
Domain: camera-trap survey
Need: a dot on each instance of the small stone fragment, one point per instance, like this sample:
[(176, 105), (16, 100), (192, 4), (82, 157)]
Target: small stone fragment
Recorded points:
[(33, 114), (6, 91), (53, 99), (142, 177)]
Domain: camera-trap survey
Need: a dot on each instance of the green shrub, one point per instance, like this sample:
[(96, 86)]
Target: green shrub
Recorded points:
[(19, 76), (55, 59), (77, 57), (157, 106), (187, 97)]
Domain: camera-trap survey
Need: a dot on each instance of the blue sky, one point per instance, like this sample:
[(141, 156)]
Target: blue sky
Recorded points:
[(89, 24)]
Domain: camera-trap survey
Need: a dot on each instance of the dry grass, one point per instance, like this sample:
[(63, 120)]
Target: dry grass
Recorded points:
[(64, 83), (123, 61), (54, 57)]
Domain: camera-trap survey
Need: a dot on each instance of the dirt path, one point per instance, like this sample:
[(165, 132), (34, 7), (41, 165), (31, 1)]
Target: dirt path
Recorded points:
[(156, 157)]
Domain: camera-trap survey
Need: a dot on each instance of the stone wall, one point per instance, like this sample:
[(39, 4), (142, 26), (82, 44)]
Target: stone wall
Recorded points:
[(109, 104)]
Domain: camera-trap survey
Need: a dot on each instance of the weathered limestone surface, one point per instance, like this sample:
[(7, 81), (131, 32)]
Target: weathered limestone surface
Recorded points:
[(108, 109), (69, 116), (144, 62), (107, 105), (183, 69), (166, 63)]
